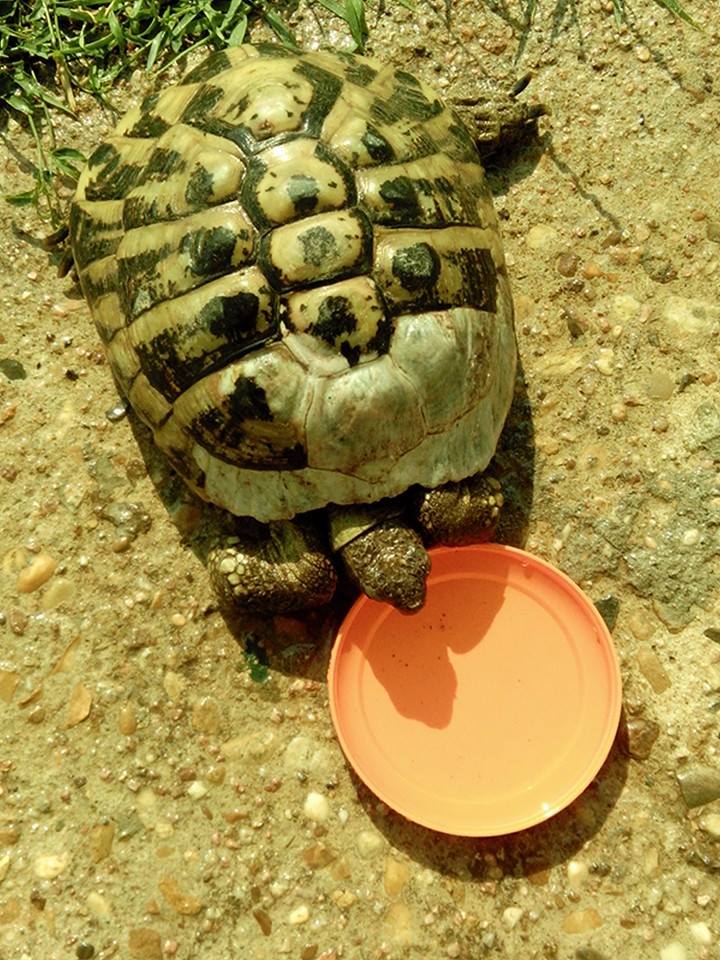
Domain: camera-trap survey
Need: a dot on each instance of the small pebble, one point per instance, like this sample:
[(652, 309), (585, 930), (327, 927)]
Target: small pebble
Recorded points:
[(183, 903), (399, 923), (84, 951), (59, 592), (689, 322), (116, 413), (50, 865), (97, 905), (316, 807), (174, 684), (369, 843), (197, 790), (660, 385), (395, 878), (12, 369), (541, 236), (299, 915), (580, 921), (304, 754), (144, 944), (567, 264), (577, 873), (673, 951), (264, 921), (101, 841), (604, 363), (608, 608), (641, 737), (8, 684), (652, 669), (4, 866), (591, 270), (206, 715), (699, 785), (511, 917), (642, 53), (17, 621), (701, 933), (9, 834), (624, 309), (711, 824), (36, 574), (127, 721), (318, 856)]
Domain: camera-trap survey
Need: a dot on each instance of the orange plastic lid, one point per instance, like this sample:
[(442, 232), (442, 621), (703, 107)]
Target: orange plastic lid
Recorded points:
[(490, 709)]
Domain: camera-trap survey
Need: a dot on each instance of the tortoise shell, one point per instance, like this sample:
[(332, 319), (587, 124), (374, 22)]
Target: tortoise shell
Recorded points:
[(295, 266)]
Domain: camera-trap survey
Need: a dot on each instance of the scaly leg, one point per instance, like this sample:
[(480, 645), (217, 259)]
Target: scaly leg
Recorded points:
[(272, 568)]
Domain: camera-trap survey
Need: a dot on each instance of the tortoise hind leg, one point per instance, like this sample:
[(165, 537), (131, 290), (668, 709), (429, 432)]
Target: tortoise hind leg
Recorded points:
[(496, 118), (460, 513), (277, 567)]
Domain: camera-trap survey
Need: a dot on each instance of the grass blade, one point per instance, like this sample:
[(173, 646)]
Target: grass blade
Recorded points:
[(674, 7), (355, 18), (333, 7)]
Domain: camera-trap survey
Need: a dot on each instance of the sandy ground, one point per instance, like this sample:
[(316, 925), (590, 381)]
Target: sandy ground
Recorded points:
[(154, 778)]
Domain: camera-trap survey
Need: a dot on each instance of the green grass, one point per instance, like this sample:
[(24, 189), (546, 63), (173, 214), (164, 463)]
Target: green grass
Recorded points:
[(50, 49)]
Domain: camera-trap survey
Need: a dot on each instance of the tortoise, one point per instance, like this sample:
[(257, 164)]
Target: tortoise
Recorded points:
[(295, 266)]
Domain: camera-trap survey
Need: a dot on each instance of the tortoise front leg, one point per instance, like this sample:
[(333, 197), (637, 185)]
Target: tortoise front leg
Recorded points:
[(271, 568), (460, 513)]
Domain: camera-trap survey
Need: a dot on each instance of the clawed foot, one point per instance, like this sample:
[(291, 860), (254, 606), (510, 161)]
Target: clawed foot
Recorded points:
[(273, 568), (460, 513)]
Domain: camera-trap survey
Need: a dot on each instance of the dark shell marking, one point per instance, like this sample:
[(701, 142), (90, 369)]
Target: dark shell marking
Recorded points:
[(252, 239)]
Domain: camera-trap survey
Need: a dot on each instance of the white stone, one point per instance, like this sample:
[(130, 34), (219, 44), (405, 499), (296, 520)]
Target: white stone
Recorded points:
[(146, 799), (542, 236), (369, 843), (305, 754), (673, 951), (687, 320), (98, 905), (50, 865), (316, 807), (561, 364), (701, 933), (299, 915), (711, 824), (624, 308), (604, 363), (197, 790), (577, 873), (511, 916), (4, 866)]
